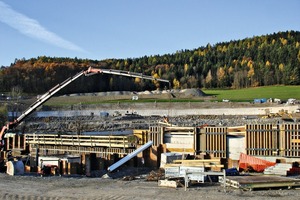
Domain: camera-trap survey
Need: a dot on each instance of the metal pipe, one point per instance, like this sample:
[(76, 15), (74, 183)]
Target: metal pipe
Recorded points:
[(129, 156)]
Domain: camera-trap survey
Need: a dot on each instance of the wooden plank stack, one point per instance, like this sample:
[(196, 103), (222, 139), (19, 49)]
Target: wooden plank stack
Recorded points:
[(206, 163)]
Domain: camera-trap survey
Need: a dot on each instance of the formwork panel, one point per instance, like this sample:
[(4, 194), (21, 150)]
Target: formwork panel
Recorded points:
[(155, 135), (179, 139), (290, 140), (79, 140), (262, 140), (215, 141), (55, 150)]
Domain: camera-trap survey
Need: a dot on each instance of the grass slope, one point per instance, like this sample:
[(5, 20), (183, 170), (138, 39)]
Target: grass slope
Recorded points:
[(248, 94), (240, 95)]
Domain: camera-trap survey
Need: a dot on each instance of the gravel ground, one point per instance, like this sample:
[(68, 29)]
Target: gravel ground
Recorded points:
[(31, 187)]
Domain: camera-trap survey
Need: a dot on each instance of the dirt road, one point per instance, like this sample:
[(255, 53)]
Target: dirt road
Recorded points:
[(31, 187)]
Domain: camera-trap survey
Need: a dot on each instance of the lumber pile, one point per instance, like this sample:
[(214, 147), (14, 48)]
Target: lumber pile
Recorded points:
[(214, 164)]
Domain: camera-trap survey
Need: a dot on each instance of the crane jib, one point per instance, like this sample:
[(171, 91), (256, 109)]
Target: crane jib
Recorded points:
[(132, 74), (43, 98), (47, 96)]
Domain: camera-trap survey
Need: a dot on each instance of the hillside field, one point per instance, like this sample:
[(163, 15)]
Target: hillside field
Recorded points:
[(248, 94), (190, 95)]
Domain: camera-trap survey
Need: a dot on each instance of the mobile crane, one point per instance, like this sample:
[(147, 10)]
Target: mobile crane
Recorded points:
[(43, 98)]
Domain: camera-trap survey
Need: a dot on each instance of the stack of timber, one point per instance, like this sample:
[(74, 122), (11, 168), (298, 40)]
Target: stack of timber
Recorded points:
[(214, 164)]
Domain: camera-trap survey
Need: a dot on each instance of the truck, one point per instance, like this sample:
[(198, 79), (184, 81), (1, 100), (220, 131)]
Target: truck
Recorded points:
[(43, 98)]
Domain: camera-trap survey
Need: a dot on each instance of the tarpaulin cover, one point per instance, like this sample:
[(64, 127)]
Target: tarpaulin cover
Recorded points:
[(247, 162)]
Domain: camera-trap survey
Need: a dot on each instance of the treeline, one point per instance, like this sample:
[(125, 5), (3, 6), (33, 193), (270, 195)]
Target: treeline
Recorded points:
[(258, 61)]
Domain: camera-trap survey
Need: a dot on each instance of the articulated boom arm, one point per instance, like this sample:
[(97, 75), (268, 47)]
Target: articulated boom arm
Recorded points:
[(92, 71), (41, 100)]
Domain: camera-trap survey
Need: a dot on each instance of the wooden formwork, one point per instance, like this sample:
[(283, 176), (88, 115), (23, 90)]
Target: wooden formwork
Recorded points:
[(79, 140), (59, 149), (14, 141), (142, 135), (290, 140), (179, 139), (156, 135), (172, 139), (262, 139), (101, 146), (236, 130), (213, 141)]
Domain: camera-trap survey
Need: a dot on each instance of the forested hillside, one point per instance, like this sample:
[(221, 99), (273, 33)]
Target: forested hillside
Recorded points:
[(258, 61)]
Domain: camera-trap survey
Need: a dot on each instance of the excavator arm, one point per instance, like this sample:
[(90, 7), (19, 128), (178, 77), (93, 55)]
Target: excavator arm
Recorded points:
[(42, 99)]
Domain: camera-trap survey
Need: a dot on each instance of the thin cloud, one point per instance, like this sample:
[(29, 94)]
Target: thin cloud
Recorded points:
[(33, 28)]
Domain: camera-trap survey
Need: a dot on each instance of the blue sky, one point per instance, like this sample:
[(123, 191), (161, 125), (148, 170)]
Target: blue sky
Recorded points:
[(97, 29)]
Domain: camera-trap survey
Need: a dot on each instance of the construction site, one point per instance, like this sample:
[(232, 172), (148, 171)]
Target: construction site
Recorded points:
[(174, 145)]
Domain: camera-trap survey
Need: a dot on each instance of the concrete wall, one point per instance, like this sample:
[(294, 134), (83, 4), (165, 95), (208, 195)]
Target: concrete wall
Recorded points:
[(148, 111)]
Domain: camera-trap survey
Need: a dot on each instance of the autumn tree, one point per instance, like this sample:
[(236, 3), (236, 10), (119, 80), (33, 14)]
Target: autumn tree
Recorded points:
[(208, 80), (220, 76), (257, 61)]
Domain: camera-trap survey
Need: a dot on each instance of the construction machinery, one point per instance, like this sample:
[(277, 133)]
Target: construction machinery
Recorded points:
[(43, 98)]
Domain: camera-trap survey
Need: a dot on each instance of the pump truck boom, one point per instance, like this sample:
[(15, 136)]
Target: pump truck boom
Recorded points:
[(42, 99)]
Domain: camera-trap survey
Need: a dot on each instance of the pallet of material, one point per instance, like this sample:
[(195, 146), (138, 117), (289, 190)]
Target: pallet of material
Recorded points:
[(207, 163), (217, 160), (260, 182)]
